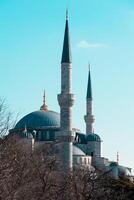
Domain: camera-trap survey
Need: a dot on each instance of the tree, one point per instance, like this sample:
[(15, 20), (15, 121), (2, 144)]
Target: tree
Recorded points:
[(25, 174), (37, 176), (7, 121)]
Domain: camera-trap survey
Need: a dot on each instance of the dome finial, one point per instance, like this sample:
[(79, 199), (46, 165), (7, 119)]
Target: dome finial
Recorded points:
[(117, 157), (44, 106)]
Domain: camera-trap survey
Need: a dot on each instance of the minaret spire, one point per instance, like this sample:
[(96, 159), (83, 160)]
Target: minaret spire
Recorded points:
[(67, 14), (66, 100), (44, 106), (89, 118), (66, 53), (89, 86)]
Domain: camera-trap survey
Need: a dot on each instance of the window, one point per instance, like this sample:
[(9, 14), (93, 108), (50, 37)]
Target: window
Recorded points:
[(92, 153), (47, 135), (78, 160), (39, 135)]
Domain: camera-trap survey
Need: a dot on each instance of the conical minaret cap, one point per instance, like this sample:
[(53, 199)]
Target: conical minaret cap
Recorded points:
[(89, 86), (66, 53)]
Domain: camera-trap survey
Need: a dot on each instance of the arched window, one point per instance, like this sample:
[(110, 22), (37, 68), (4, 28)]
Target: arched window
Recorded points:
[(92, 154), (47, 135)]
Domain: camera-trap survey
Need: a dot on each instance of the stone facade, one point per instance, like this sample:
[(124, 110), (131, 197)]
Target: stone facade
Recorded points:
[(89, 118)]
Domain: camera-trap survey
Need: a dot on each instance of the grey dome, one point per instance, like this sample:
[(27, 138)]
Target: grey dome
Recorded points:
[(77, 151), (124, 171), (93, 137), (39, 119)]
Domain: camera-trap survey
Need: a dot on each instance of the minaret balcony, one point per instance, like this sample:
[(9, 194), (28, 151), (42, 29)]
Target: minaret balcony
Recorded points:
[(66, 100), (89, 118)]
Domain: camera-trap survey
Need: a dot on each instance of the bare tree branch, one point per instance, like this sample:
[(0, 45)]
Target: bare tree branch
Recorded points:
[(7, 120)]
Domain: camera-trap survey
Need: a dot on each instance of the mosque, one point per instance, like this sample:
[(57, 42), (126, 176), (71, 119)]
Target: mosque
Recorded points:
[(76, 149)]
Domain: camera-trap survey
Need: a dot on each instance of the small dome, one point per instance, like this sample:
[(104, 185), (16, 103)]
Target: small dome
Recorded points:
[(93, 137), (77, 151), (113, 164), (39, 119), (124, 171)]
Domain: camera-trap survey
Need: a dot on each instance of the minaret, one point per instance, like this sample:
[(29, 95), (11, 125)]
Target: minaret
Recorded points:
[(66, 100), (89, 118)]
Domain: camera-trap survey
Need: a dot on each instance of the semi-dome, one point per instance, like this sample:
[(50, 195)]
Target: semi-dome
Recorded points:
[(77, 151), (39, 119), (124, 171), (93, 137)]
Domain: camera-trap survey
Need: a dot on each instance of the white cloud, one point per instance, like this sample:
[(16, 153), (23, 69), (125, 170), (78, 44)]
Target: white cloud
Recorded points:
[(86, 45)]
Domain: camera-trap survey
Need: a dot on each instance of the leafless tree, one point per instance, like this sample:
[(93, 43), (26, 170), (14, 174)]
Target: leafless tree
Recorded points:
[(98, 185), (7, 120), (25, 174), (37, 176)]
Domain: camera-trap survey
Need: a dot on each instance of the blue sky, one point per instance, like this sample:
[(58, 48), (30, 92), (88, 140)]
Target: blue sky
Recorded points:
[(31, 39)]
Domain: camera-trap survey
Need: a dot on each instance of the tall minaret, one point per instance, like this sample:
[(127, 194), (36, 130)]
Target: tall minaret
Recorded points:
[(66, 100), (89, 118)]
